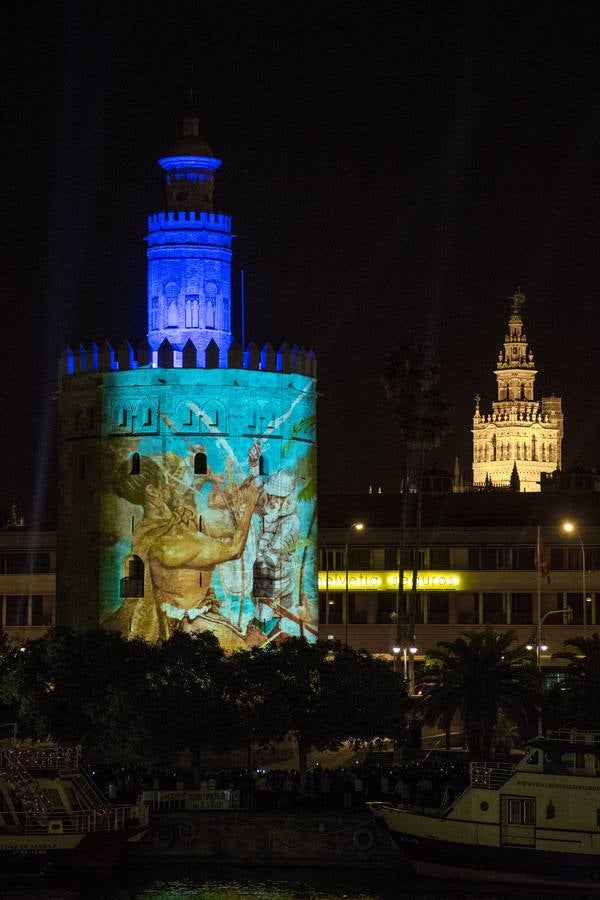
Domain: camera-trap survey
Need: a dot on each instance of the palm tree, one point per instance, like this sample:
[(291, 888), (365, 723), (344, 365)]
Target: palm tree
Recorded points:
[(576, 700), (410, 378), (478, 676)]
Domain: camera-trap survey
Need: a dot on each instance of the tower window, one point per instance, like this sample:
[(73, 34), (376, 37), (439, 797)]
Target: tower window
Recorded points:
[(200, 466), (135, 464), (132, 584), (123, 418), (148, 419), (172, 315)]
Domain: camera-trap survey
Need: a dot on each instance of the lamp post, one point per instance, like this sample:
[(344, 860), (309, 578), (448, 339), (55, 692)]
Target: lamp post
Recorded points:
[(571, 528), (541, 645), (356, 526)]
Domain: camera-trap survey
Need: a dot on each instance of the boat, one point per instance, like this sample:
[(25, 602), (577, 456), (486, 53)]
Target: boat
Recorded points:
[(535, 821), (52, 814)]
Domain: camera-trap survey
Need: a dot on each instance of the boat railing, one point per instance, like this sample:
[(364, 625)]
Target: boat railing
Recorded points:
[(87, 821), (40, 757), (490, 776), (574, 736)]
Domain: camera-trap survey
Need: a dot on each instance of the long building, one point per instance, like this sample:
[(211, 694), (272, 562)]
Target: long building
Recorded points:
[(476, 568)]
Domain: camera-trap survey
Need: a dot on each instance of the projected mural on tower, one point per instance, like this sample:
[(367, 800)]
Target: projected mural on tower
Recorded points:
[(209, 522)]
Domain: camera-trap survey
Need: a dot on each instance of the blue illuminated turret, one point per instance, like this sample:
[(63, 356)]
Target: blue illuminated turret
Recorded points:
[(189, 251)]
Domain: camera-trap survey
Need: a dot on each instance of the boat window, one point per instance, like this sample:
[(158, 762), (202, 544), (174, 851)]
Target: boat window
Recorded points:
[(520, 811), (534, 759), (54, 796)]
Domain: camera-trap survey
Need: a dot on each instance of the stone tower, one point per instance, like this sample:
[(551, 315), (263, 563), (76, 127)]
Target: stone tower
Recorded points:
[(520, 431), (189, 251), (187, 467)]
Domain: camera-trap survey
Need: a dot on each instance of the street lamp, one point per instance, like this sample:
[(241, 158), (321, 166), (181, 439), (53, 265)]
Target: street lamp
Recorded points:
[(571, 528), (356, 526), (541, 645)]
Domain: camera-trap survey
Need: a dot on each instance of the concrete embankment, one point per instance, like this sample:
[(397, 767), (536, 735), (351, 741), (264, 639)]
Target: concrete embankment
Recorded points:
[(252, 838)]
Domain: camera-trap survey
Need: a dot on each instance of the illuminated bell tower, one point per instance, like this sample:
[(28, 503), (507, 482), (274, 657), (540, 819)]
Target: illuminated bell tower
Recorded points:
[(189, 252), (520, 431)]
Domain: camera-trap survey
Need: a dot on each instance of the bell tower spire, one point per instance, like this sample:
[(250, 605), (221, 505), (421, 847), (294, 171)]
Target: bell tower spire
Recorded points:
[(515, 372), (522, 437)]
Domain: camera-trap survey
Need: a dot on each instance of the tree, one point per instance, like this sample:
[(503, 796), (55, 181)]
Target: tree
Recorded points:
[(65, 685), (477, 676), (187, 698), (410, 378), (320, 693), (576, 699)]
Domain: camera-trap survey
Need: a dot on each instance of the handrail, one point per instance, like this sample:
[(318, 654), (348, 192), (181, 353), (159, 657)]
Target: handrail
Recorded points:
[(490, 776), (85, 821), (573, 736)]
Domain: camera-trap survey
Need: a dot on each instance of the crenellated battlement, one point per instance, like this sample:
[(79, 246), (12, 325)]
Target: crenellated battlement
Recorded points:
[(189, 219), (106, 358)]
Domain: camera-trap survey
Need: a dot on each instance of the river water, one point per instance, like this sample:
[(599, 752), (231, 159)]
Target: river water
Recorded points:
[(202, 883)]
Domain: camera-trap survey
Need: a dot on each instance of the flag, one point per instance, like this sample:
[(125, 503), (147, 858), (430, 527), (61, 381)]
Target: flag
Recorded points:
[(542, 563)]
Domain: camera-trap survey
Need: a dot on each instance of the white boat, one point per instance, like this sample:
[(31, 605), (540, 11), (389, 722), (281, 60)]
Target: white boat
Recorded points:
[(537, 820), (53, 815)]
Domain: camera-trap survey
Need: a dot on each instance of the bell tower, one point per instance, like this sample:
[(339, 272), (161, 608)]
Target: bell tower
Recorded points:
[(189, 251), (520, 431)]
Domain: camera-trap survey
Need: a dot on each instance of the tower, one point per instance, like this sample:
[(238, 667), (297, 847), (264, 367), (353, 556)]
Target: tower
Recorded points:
[(187, 468), (189, 251), (520, 431)]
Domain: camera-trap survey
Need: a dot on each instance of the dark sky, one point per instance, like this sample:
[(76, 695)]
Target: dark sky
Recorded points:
[(389, 166)]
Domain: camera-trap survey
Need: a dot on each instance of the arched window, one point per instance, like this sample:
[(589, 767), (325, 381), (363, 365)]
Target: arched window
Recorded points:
[(123, 418), (210, 313), (493, 447), (210, 296), (200, 466), (263, 465), (132, 584), (172, 315), (135, 464)]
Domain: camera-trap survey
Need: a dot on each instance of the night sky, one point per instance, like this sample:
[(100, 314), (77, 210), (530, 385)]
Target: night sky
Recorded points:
[(389, 166)]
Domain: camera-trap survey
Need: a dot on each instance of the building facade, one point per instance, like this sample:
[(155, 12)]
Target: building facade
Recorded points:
[(476, 568), (521, 439), (27, 583), (187, 468)]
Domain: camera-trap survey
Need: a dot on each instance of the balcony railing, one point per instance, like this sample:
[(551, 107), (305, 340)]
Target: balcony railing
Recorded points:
[(490, 777)]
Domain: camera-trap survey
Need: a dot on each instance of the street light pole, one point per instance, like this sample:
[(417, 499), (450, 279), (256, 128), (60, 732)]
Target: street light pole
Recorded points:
[(540, 645), (571, 528), (356, 526)]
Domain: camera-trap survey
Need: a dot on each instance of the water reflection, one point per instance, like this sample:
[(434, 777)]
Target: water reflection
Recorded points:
[(306, 884)]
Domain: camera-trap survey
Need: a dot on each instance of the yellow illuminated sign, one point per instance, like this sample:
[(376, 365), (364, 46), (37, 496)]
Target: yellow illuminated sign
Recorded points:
[(382, 581)]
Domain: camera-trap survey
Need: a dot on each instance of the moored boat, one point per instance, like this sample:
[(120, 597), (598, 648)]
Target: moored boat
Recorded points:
[(53, 815), (536, 820)]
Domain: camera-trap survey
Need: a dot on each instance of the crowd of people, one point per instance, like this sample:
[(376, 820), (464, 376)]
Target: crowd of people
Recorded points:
[(420, 783)]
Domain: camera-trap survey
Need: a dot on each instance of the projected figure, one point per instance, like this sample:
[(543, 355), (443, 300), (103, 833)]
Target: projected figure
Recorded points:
[(179, 560), (274, 572)]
